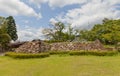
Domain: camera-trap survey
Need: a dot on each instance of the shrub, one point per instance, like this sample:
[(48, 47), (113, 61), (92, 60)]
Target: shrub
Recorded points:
[(95, 53), (58, 52), (118, 49), (25, 55), (77, 53)]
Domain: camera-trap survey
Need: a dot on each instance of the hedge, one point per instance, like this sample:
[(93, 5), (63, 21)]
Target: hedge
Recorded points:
[(25, 55), (71, 53), (95, 53), (58, 52)]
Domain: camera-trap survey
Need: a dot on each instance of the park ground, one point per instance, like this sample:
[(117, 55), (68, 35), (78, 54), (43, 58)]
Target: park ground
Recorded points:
[(61, 66)]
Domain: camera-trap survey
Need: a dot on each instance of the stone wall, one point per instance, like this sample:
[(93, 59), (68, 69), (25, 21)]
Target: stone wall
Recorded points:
[(35, 46), (96, 45)]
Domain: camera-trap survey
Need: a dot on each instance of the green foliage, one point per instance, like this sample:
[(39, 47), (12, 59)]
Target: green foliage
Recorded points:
[(61, 53), (25, 55), (108, 32), (7, 31), (95, 53), (70, 34), (57, 33), (117, 46), (58, 52), (4, 38), (11, 28), (2, 20)]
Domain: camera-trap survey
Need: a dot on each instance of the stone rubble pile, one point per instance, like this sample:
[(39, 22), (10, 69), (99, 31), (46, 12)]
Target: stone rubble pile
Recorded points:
[(96, 45), (35, 46)]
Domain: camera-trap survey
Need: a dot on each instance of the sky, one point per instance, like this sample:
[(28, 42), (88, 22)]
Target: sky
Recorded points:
[(32, 16)]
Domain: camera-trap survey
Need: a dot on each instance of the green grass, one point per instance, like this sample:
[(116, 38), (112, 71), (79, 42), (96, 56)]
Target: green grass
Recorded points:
[(61, 66)]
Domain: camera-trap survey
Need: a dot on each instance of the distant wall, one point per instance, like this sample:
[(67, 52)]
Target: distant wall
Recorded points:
[(35, 46), (39, 46), (77, 46)]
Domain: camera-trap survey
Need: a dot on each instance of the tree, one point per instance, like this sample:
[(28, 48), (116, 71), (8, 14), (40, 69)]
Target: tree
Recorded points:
[(4, 37), (2, 19), (59, 27), (59, 32), (55, 32), (7, 31), (105, 20), (11, 28), (70, 33), (108, 32)]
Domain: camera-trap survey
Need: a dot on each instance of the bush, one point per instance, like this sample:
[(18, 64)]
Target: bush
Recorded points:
[(25, 55), (71, 53), (95, 53), (77, 53), (58, 52), (118, 49)]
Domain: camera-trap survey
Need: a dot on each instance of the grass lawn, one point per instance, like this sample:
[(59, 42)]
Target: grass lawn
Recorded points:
[(61, 66)]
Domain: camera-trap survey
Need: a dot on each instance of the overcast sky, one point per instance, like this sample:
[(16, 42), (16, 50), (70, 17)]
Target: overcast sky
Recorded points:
[(34, 15)]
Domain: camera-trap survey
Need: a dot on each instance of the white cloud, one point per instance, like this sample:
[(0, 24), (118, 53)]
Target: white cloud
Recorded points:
[(58, 3), (17, 7), (91, 13), (29, 33), (53, 21), (62, 3), (38, 2), (26, 21)]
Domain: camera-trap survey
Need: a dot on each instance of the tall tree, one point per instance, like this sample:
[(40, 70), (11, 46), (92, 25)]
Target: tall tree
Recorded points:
[(59, 27), (108, 32), (55, 32), (71, 33), (59, 32), (11, 28), (4, 37)]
